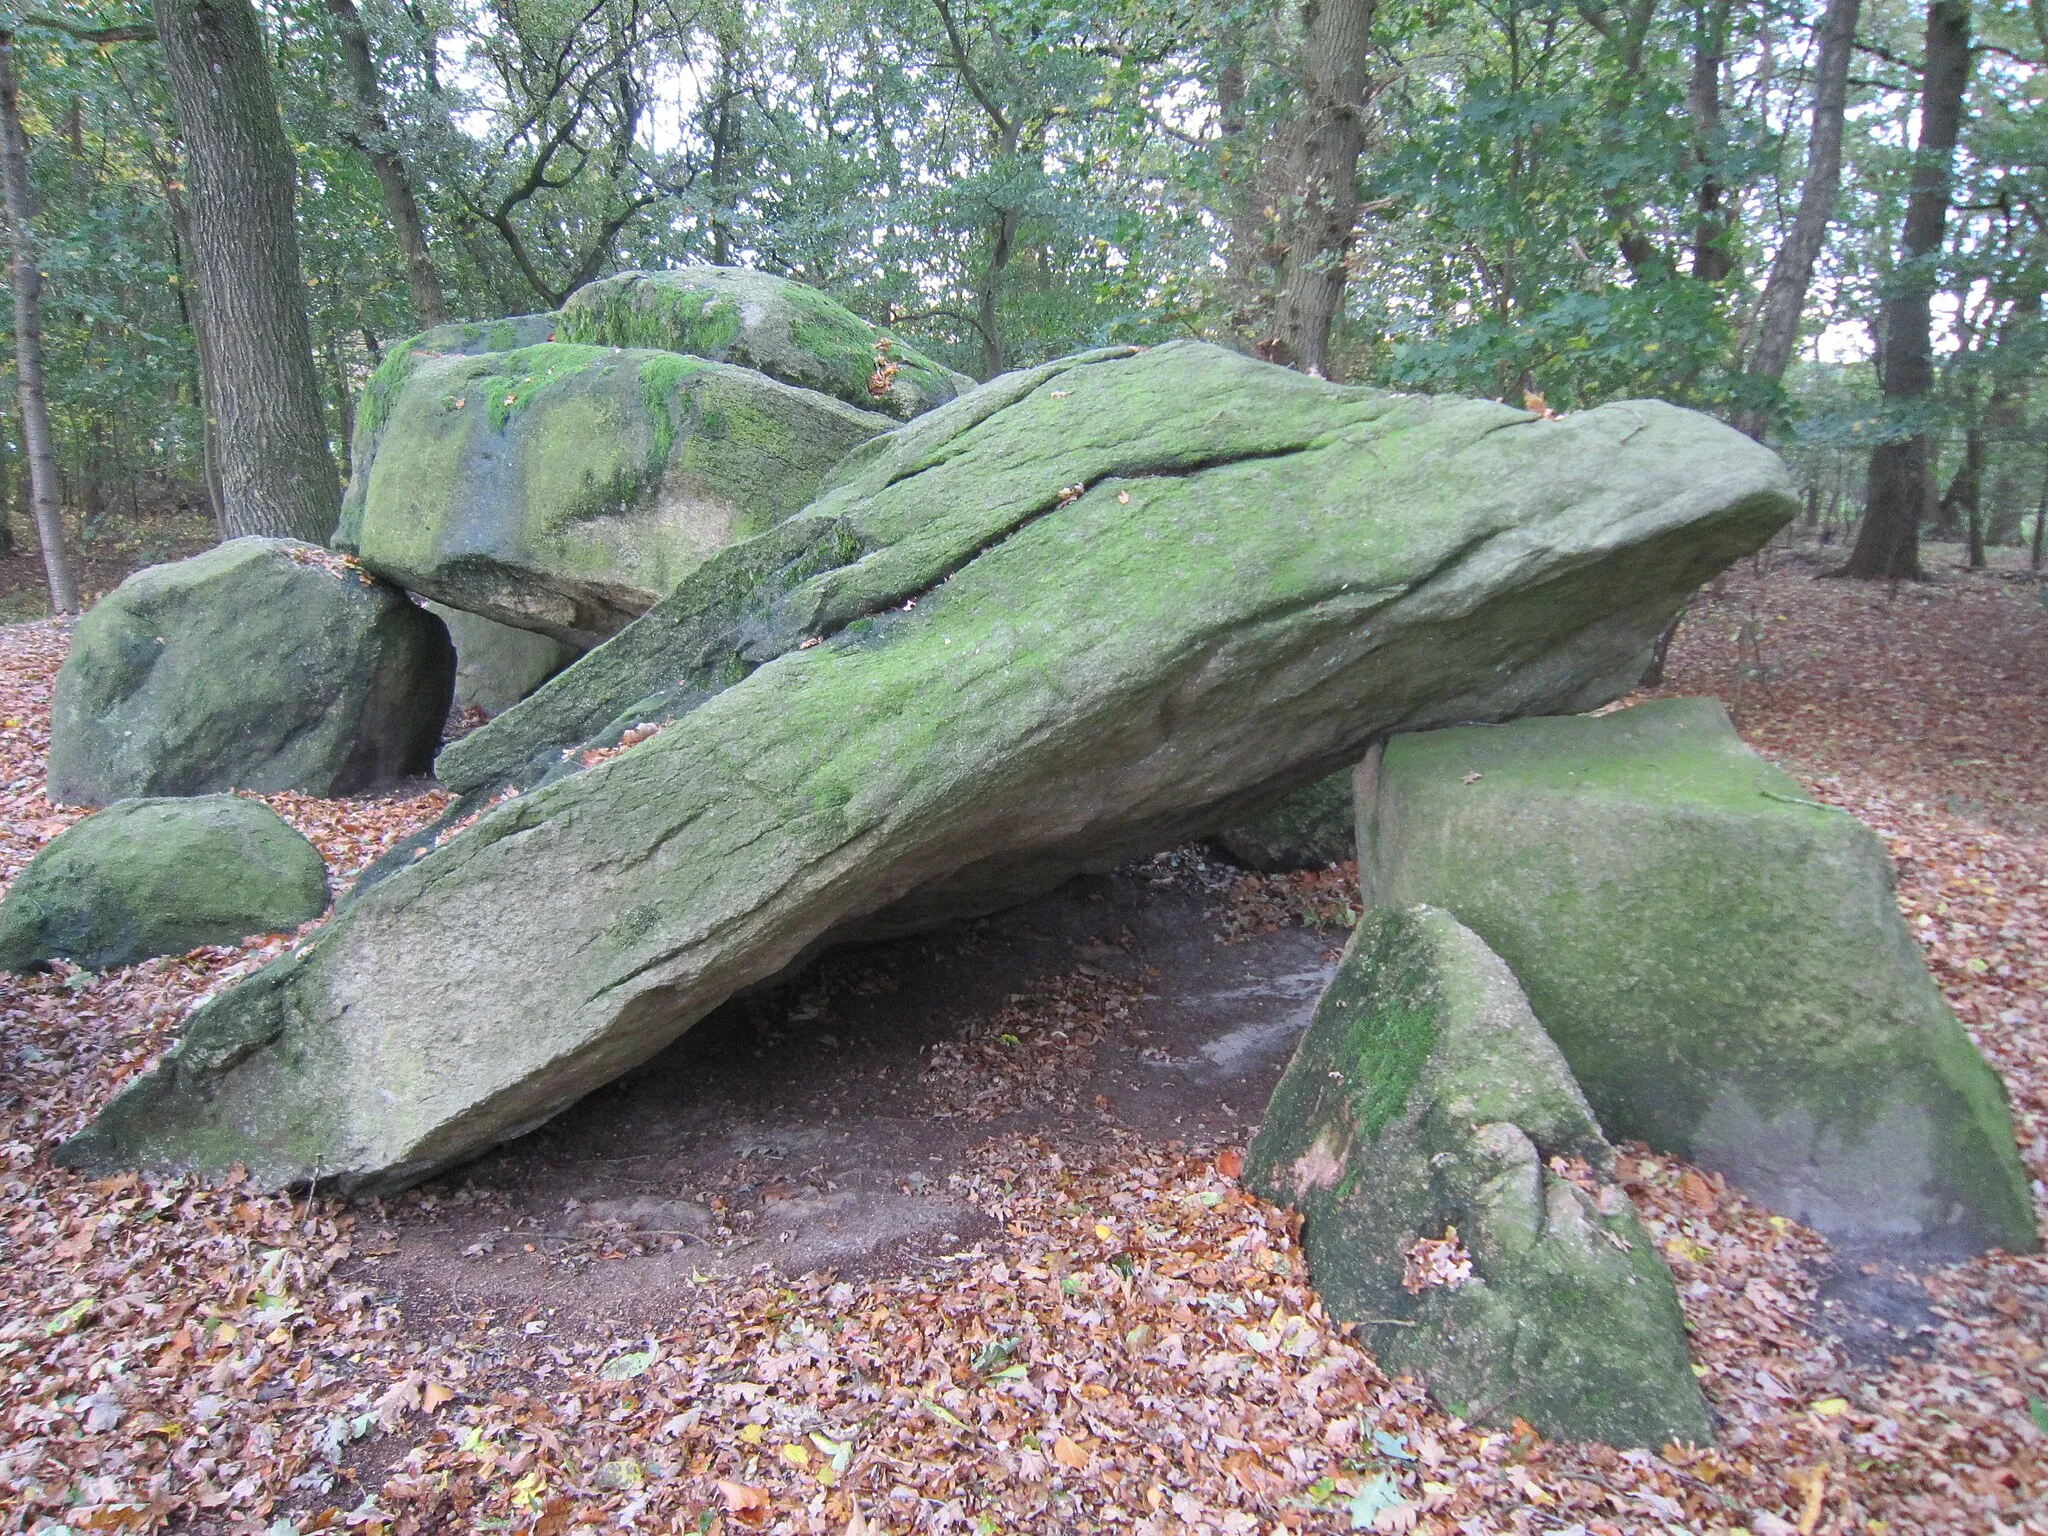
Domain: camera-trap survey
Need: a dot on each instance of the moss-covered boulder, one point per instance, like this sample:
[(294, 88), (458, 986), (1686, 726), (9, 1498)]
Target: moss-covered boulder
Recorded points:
[(1087, 611), (564, 489), (1721, 960), (1307, 829), (462, 338), (496, 665), (262, 664), (1458, 1197), (158, 877), (758, 320)]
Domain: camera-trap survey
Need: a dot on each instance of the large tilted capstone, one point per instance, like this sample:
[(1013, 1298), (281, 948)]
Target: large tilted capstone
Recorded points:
[(263, 664), (1458, 1197), (564, 489), (1721, 960), (157, 877), (758, 320), (1081, 613)]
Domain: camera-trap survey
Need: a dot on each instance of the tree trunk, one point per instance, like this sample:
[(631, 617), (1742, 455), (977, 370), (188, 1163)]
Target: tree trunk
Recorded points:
[(1777, 331), (344, 404), (722, 126), (1711, 259), (277, 476), (1241, 158), (429, 304), (1002, 244), (1888, 545), (1324, 198), (2040, 521), (1961, 509), (38, 446), (6, 498), (192, 299)]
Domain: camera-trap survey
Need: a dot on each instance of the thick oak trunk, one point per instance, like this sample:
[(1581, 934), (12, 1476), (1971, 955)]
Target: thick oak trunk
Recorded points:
[(1888, 544), (39, 446), (276, 474), (1323, 200)]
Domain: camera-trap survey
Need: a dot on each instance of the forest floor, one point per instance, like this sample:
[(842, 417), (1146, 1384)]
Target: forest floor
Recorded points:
[(104, 553), (944, 1236)]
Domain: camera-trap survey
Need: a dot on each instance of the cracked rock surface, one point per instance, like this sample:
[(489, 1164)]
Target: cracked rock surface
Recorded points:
[(1080, 613)]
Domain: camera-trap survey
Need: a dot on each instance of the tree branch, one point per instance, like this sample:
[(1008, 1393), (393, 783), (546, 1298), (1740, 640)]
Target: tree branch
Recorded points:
[(967, 75), (132, 32)]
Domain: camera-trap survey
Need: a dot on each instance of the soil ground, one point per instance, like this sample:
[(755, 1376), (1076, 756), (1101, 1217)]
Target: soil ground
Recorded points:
[(942, 1234), (119, 545)]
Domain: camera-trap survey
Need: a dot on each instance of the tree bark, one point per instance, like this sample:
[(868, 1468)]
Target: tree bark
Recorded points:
[(39, 447), (2040, 522), (344, 404), (6, 498), (276, 473), (1324, 198), (429, 303), (722, 126), (1777, 331), (1002, 245), (1961, 509), (1888, 544), (1711, 258), (192, 300)]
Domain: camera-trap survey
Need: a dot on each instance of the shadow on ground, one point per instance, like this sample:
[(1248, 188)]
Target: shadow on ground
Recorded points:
[(818, 1125)]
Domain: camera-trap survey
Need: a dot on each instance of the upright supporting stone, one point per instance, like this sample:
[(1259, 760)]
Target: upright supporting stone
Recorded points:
[(1458, 1198), (1721, 960)]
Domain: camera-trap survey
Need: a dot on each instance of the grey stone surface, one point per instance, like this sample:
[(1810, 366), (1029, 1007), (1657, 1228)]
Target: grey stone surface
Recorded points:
[(496, 665), (1721, 960), (262, 664)]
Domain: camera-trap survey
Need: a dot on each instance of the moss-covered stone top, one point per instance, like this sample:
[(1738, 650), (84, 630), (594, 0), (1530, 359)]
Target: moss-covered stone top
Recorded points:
[(462, 338), (157, 876), (758, 320), (565, 488), (1674, 751)]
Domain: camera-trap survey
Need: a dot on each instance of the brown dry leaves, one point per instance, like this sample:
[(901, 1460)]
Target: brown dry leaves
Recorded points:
[(1138, 1349)]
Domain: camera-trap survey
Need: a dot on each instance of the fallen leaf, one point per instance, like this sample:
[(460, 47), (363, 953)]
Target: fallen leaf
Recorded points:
[(746, 1504)]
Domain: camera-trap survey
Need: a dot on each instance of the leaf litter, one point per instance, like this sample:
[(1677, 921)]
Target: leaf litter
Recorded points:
[(1136, 1345)]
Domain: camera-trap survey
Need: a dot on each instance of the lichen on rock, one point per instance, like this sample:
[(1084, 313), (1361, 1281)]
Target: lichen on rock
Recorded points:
[(565, 488), (262, 664), (755, 319)]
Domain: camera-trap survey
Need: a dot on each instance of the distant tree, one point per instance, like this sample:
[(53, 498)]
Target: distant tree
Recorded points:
[(1784, 301), (26, 277), (1888, 544), (374, 138)]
